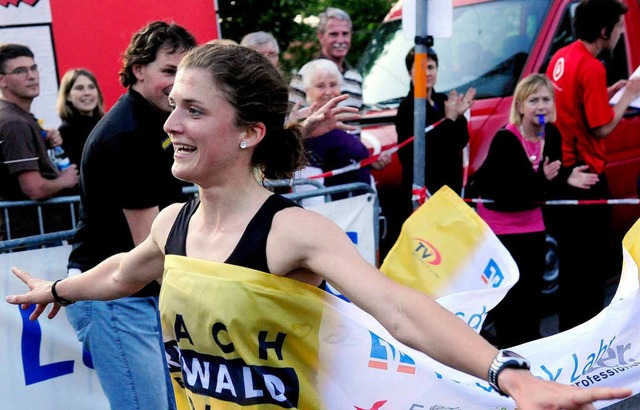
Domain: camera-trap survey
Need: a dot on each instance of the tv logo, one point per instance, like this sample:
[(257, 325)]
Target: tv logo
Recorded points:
[(426, 252)]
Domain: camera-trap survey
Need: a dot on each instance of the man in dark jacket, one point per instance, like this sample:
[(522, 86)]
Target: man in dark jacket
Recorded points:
[(125, 179)]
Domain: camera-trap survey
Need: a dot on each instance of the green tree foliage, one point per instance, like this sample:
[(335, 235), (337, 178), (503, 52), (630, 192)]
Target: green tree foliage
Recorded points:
[(285, 20)]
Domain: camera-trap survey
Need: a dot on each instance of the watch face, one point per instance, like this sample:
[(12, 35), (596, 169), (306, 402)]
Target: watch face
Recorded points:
[(512, 359), (509, 353)]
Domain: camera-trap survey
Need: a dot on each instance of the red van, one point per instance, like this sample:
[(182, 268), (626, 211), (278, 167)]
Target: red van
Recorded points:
[(494, 44)]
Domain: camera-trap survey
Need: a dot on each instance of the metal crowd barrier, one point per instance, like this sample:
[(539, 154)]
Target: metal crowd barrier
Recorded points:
[(353, 189), (43, 239)]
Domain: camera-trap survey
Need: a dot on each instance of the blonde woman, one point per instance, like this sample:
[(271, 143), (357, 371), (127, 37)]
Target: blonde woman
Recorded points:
[(522, 168)]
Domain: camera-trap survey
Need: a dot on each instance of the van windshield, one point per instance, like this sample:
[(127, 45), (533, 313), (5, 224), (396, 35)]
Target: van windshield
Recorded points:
[(488, 49)]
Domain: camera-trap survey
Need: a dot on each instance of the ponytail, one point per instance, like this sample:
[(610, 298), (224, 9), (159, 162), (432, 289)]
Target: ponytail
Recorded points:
[(280, 155)]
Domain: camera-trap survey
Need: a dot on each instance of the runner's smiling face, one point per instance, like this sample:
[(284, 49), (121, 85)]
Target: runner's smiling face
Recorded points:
[(202, 129)]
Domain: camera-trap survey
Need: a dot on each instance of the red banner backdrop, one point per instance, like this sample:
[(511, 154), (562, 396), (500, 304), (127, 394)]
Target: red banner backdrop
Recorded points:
[(94, 33)]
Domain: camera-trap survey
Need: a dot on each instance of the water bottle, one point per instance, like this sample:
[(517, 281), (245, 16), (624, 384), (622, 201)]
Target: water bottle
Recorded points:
[(59, 158), (57, 154)]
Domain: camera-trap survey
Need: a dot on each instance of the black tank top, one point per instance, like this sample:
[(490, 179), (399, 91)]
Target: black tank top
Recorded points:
[(251, 250)]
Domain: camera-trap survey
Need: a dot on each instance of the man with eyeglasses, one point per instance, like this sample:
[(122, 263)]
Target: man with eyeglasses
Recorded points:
[(26, 171)]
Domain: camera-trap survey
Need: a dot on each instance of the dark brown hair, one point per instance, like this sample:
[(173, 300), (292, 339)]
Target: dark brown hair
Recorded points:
[(411, 56), (594, 15), (9, 51), (258, 93), (145, 44)]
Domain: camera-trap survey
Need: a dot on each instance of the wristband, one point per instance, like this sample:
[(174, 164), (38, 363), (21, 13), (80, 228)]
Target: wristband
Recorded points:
[(59, 300)]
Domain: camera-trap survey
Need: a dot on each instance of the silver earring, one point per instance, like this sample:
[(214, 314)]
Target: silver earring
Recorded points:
[(243, 144)]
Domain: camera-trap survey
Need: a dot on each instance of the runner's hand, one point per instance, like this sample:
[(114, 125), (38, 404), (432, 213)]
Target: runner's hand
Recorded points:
[(39, 294)]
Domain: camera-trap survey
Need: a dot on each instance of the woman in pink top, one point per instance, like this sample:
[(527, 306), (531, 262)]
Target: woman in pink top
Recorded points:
[(522, 167)]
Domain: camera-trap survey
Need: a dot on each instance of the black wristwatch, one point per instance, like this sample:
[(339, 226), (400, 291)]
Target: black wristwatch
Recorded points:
[(505, 359)]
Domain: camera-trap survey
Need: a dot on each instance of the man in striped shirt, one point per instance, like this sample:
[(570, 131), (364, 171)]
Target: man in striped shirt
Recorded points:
[(334, 36)]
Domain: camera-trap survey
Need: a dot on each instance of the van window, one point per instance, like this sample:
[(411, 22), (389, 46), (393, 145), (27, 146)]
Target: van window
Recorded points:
[(563, 37), (616, 62), (488, 49)]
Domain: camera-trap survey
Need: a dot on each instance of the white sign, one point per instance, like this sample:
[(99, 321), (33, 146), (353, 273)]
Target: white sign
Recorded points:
[(43, 362), (355, 216), (29, 23), (21, 12), (635, 103), (439, 18)]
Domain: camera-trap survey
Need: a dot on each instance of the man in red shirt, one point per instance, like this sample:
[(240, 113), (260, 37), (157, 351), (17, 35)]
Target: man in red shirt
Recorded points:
[(585, 118)]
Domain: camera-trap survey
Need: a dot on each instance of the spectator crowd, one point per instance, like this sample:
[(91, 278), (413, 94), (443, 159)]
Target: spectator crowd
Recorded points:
[(552, 147)]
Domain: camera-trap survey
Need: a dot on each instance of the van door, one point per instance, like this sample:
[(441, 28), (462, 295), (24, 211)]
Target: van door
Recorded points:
[(623, 145)]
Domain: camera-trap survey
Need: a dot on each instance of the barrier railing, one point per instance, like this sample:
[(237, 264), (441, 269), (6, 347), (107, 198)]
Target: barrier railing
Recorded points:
[(44, 237), (282, 183), (352, 189), (7, 205), (48, 238)]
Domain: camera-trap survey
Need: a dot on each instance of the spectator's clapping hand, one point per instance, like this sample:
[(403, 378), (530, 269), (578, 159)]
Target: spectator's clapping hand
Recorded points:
[(457, 104), (39, 294), (550, 169), (582, 179), (330, 116), (53, 138), (383, 161)]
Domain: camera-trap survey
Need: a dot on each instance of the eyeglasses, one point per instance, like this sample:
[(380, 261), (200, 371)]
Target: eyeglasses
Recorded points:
[(23, 70)]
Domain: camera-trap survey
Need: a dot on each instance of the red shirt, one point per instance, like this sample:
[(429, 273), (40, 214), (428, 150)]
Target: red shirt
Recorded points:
[(582, 103)]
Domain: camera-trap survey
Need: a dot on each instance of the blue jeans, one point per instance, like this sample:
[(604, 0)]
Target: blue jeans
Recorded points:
[(125, 342)]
